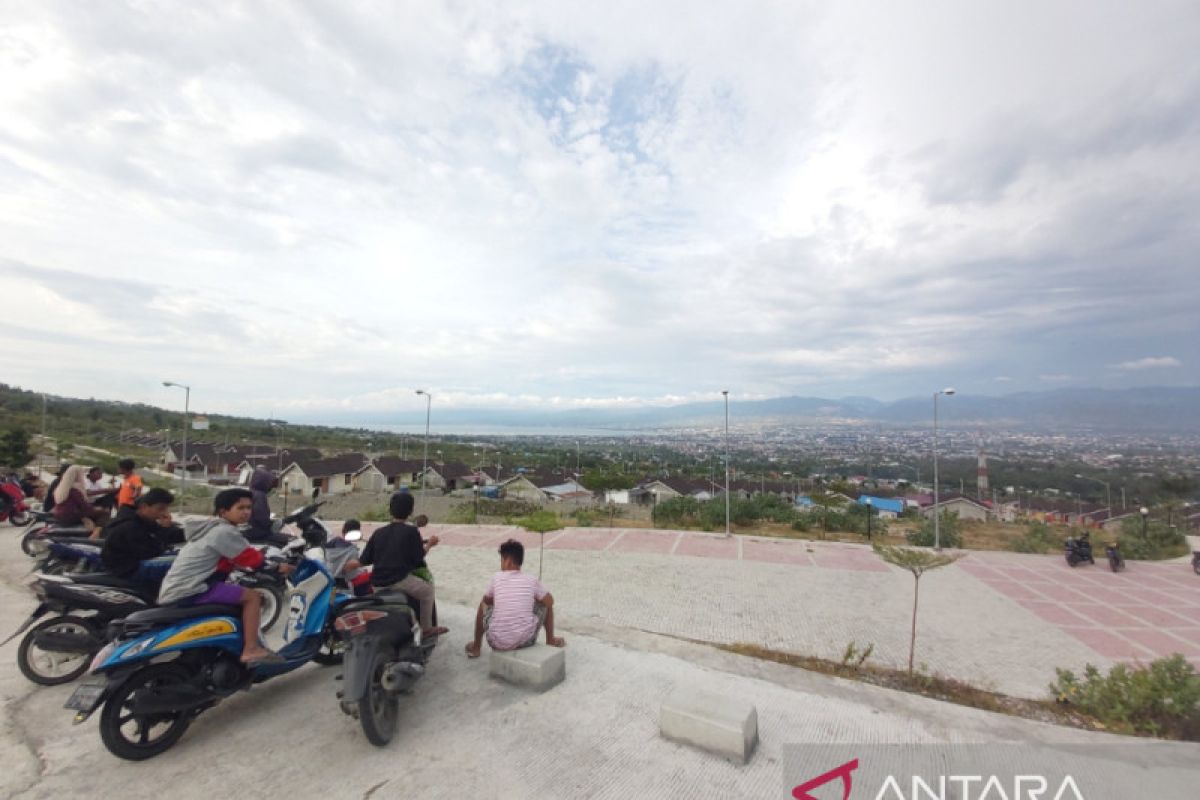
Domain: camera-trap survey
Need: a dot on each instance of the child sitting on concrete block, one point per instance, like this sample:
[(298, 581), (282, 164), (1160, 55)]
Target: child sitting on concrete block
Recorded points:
[(514, 607)]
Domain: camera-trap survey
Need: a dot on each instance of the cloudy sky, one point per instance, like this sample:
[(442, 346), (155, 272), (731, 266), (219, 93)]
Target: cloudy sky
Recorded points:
[(315, 207)]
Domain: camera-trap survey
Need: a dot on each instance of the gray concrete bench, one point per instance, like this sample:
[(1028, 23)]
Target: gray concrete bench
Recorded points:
[(539, 667), (724, 726)]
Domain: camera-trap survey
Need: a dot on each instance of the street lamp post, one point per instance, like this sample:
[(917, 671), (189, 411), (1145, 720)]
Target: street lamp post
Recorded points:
[(937, 523), (425, 455), (869, 515), (725, 392), (1107, 489), (187, 402), (1145, 512)]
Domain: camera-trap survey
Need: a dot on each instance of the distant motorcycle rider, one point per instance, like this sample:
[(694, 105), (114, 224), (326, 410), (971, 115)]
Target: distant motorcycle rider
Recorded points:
[(262, 481)]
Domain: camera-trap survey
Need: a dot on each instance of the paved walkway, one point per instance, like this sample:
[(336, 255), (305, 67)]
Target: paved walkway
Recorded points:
[(1000, 620), (595, 735)]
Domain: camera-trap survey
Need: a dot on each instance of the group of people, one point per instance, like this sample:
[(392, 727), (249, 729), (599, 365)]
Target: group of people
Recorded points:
[(78, 497), (514, 607)]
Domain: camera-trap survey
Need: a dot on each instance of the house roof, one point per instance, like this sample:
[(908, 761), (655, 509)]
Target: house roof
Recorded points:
[(395, 467), (347, 463), (893, 504)]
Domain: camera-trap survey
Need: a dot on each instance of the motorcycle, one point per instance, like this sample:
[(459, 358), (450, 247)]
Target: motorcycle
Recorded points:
[(12, 504), (1079, 551), (58, 649), (1196, 562), (385, 655), (45, 528), (59, 555), (1116, 561), (165, 666)]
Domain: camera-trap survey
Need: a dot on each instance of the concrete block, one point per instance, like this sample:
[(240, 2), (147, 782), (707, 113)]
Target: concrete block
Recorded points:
[(539, 667), (724, 726)]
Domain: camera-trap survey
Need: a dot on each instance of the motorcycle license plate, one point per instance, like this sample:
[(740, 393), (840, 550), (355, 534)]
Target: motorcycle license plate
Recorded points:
[(87, 696)]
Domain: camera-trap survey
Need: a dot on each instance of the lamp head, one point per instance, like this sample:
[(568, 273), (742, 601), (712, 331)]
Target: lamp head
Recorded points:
[(948, 390), (1145, 512)]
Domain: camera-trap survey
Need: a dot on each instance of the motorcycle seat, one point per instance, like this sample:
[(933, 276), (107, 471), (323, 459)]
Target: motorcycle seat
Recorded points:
[(104, 579), (72, 540), (169, 614)]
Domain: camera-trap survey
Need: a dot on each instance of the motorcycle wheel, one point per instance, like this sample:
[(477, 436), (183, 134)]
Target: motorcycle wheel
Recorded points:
[(27, 542), (1116, 563), (379, 709), (136, 738), (272, 605), (50, 668), (20, 518), (332, 651)]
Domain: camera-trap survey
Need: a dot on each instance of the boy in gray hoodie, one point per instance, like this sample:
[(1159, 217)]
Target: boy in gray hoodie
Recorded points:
[(214, 548)]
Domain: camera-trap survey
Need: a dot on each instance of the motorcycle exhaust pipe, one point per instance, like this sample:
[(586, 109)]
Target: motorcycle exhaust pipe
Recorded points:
[(168, 699), (399, 675), (66, 642)]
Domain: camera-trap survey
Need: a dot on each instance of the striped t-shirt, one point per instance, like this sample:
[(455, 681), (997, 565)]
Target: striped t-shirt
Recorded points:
[(513, 594)]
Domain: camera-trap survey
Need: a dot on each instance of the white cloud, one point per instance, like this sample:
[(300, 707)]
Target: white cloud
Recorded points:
[(540, 203), (1150, 362)]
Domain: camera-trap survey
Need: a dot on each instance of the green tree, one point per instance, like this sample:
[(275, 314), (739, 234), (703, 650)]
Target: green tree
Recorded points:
[(918, 562), (950, 534), (14, 449), (540, 522)]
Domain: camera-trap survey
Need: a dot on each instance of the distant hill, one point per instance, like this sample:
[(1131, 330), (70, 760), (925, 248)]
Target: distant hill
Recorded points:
[(1149, 409)]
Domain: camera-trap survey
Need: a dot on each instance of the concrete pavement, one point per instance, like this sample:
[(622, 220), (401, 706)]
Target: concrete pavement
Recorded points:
[(595, 735)]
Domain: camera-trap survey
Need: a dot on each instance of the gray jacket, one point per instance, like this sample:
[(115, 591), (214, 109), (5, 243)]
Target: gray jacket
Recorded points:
[(208, 541)]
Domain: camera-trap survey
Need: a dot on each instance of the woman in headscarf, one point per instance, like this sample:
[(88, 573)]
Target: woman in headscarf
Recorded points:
[(71, 506)]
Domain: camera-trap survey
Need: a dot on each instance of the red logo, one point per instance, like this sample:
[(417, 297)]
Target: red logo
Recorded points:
[(801, 792)]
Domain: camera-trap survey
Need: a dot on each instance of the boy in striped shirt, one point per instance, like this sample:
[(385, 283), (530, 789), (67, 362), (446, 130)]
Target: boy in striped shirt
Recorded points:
[(514, 607)]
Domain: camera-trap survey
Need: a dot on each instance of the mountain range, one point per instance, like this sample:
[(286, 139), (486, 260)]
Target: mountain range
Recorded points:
[(1144, 409)]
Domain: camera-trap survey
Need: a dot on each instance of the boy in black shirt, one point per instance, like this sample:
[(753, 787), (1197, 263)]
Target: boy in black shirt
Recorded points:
[(138, 536), (395, 551)]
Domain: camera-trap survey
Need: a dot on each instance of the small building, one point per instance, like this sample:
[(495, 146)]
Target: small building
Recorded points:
[(885, 507), (571, 490), (965, 507), (328, 475), (521, 488)]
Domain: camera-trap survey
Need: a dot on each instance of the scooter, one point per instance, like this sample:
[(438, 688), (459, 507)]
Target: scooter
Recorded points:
[(166, 666), (67, 554), (1116, 561), (59, 649), (1079, 551), (45, 528), (385, 655), (12, 504)]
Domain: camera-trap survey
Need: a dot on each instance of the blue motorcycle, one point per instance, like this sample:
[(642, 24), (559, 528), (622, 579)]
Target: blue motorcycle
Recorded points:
[(149, 702)]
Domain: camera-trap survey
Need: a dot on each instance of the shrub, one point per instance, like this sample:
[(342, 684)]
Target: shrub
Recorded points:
[(951, 536), (1161, 699), (1038, 538), (377, 514), (1161, 541)]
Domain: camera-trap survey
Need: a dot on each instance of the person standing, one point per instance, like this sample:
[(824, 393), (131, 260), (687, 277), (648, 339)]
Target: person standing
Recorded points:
[(131, 483)]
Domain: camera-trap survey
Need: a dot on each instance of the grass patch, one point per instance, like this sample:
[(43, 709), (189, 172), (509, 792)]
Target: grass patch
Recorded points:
[(932, 686)]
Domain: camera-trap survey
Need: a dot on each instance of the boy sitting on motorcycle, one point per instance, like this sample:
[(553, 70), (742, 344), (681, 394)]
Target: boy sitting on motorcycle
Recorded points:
[(396, 553), (514, 607), (137, 538), (214, 548)]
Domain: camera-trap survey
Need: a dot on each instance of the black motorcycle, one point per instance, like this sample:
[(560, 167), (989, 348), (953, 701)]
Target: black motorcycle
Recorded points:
[(385, 655), (61, 648), (1079, 551), (1116, 561)]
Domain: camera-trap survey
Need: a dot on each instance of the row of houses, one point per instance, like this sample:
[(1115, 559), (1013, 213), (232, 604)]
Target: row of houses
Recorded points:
[(209, 461)]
